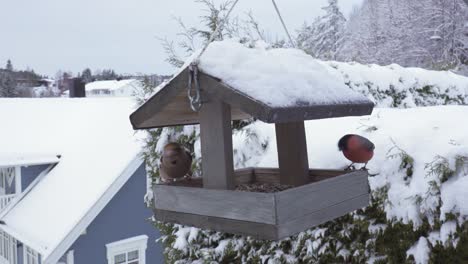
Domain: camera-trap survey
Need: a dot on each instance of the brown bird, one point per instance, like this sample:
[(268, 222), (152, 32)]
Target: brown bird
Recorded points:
[(176, 163), (357, 149)]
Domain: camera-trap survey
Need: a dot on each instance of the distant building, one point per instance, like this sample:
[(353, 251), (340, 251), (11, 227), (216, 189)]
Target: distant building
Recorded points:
[(124, 88)]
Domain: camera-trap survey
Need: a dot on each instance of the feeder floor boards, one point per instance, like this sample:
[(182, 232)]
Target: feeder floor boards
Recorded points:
[(271, 216)]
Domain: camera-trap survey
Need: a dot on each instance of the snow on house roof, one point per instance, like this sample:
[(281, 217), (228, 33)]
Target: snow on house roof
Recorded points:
[(27, 159), (111, 85), (277, 77), (98, 153)]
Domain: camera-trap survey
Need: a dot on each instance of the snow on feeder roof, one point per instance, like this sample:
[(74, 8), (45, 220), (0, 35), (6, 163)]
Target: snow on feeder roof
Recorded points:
[(281, 86), (273, 85)]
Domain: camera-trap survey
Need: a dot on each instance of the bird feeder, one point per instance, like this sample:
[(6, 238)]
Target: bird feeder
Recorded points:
[(317, 196)]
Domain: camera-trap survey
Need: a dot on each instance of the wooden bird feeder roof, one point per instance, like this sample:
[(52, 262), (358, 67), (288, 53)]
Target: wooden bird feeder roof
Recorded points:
[(170, 105)]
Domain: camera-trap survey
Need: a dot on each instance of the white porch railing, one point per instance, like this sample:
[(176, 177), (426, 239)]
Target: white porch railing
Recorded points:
[(8, 249), (5, 200)]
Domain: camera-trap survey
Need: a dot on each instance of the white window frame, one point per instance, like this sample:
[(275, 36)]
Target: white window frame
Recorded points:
[(16, 171), (68, 258), (128, 245), (18, 188)]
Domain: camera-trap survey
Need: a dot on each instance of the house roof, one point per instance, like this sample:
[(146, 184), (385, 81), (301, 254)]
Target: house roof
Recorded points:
[(110, 85), (99, 152), (27, 159), (273, 85)]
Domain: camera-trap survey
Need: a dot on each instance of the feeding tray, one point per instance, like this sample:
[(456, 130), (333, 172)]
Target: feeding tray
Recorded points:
[(212, 202), (328, 194)]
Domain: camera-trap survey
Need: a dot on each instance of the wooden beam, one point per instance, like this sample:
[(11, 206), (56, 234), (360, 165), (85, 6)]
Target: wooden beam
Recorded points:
[(254, 229), (322, 216), (304, 200), (292, 153), (216, 145), (218, 203), (263, 215)]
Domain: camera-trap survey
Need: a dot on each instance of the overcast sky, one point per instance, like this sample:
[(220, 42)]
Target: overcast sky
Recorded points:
[(49, 35)]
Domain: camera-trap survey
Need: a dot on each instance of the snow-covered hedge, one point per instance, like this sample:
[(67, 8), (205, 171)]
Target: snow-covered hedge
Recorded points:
[(396, 86), (418, 211)]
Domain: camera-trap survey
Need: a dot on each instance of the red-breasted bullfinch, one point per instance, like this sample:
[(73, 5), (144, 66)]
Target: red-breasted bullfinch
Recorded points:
[(357, 149)]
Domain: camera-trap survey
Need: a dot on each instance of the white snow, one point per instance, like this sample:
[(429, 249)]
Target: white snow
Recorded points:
[(447, 231), (277, 77), (222, 246), (420, 251), (182, 238), (454, 194), (96, 143)]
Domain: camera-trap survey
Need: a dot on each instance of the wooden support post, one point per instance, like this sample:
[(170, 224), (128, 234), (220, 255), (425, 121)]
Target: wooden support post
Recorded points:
[(292, 153), (216, 145)]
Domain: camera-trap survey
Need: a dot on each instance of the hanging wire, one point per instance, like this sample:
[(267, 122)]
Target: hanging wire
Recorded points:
[(193, 88), (216, 31), (284, 24)]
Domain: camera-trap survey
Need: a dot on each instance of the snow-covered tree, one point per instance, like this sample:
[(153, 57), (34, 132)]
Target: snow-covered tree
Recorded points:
[(444, 23), (7, 84), (87, 75), (426, 33), (324, 37), (191, 39), (9, 66)]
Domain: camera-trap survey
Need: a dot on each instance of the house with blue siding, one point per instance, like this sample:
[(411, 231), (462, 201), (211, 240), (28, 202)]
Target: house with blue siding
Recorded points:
[(72, 184)]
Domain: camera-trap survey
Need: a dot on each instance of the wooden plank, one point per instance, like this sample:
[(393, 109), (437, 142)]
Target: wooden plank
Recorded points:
[(313, 112), (326, 172), (292, 153), (192, 183), (297, 202), (141, 118), (267, 175), (216, 145), (317, 175), (246, 206), (271, 175), (319, 217), (255, 230), (244, 176), (178, 112)]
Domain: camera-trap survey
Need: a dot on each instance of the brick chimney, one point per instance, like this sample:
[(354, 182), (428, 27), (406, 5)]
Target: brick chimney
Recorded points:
[(76, 88)]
